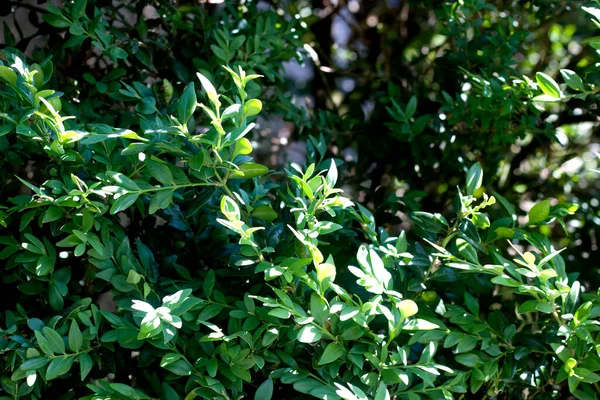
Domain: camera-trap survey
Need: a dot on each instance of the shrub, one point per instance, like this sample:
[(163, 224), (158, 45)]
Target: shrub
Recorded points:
[(229, 280)]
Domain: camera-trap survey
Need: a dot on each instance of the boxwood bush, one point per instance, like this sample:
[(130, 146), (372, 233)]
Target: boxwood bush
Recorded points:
[(147, 254)]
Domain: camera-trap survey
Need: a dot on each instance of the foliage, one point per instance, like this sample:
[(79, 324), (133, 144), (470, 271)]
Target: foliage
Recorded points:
[(448, 84), (228, 279)]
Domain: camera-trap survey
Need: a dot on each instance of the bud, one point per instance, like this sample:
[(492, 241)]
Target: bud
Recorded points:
[(168, 89)]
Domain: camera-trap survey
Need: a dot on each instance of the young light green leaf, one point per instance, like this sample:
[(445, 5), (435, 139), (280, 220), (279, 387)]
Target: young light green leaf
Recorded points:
[(325, 271), (548, 85), (252, 107), (407, 308), (332, 175), (211, 92), (230, 209), (539, 212), (250, 170)]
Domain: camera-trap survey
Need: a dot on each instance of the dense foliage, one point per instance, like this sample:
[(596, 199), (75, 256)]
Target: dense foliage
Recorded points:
[(148, 253)]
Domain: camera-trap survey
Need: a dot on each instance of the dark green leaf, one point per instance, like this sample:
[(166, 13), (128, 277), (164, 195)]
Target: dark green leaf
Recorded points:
[(58, 367), (75, 337), (123, 202), (264, 391)]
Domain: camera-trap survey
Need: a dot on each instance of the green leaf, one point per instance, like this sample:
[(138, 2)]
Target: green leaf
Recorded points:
[(85, 365), (197, 161), (176, 299), (548, 85), (237, 134), (383, 276), (44, 343), (34, 363), (160, 172), (411, 107), (382, 392), (264, 391), (332, 352), (469, 360), (467, 250), (506, 204), (44, 265), (127, 391), (174, 363), (539, 212), (586, 375), (55, 298), (474, 178), (59, 366), (310, 386), (506, 281), (123, 181), (56, 21), (417, 324), (544, 98), (52, 214), (187, 103), (123, 202), (54, 339), (309, 334), (160, 200), (209, 283), (572, 79), (265, 213), (280, 313), (75, 337), (318, 308), (78, 9), (434, 223)]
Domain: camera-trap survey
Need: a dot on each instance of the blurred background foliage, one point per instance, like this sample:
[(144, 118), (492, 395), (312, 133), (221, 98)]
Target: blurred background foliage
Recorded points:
[(407, 93)]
